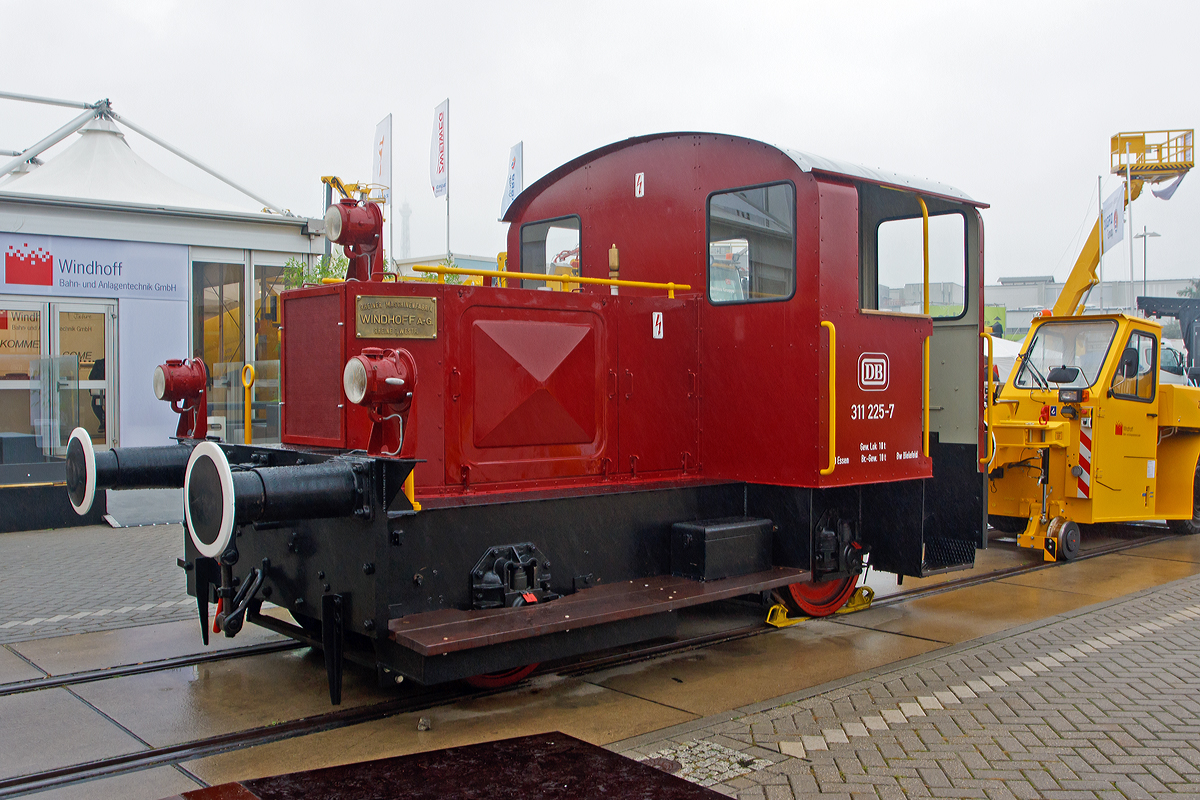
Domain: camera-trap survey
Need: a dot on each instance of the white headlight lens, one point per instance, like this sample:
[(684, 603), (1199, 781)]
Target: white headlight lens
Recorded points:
[(333, 224), (160, 382), (354, 381)]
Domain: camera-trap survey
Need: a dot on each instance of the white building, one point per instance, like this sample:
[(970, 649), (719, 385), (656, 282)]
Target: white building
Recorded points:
[(117, 267)]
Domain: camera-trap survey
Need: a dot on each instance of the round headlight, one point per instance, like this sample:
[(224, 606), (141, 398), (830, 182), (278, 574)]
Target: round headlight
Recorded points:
[(333, 224), (354, 380), (160, 382)]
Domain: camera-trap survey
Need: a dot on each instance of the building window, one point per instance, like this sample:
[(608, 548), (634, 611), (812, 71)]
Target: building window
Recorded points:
[(901, 265), (219, 334), (268, 283), (752, 244)]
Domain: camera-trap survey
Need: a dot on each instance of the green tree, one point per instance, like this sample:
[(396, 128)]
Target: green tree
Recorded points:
[(1191, 291), (297, 272)]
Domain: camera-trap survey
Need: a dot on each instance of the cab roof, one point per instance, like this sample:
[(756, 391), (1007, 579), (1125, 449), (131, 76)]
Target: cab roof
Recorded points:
[(807, 162)]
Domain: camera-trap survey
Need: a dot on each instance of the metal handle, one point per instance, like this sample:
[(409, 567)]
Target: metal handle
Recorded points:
[(987, 401), (925, 347), (248, 383), (832, 397)]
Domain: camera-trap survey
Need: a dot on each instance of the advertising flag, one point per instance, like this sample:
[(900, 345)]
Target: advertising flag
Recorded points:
[(1113, 220), (381, 158), (439, 151), (516, 177), (1167, 192)]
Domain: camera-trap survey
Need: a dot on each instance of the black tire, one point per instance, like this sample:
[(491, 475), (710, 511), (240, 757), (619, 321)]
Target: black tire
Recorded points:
[(1189, 527), (1068, 542), (1007, 524)]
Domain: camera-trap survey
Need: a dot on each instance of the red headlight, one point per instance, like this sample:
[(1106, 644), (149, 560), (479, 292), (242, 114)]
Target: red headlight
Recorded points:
[(354, 225), (379, 376), (178, 380)]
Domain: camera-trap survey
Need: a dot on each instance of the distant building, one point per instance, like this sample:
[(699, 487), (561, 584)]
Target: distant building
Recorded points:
[(1025, 296)]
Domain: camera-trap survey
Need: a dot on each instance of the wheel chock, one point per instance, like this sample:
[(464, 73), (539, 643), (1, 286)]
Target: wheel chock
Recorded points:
[(777, 615), (859, 601)]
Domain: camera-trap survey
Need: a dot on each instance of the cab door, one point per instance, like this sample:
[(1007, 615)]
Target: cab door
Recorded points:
[(1126, 432)]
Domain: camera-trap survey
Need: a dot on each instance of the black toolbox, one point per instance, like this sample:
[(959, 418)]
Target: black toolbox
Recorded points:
[(712, 549)]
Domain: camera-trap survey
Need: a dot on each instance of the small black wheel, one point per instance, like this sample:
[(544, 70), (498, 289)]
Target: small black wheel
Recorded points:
[(1068, 542), (1007, 524), (1189, 527)]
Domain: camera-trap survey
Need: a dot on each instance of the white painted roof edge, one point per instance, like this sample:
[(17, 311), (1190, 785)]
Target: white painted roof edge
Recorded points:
[(809, 162), (178, 211)]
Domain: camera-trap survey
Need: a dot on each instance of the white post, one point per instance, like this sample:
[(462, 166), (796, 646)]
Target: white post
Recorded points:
[(1129, 195), (448, 254), (1100, 215)]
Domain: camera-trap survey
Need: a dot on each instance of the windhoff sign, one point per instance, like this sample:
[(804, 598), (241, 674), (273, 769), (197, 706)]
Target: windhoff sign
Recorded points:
[(64, 266)]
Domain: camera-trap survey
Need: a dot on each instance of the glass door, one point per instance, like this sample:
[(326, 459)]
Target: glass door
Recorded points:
[(87, 332), (23, 335)]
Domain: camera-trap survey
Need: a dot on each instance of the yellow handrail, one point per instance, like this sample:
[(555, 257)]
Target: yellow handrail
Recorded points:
[(987, 401), (502, 265), (248, 383), (925, 346), (832, 397), (442, 272)]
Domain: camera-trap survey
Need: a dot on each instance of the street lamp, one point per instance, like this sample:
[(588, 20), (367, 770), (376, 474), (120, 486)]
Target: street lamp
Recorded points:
[(1144, 236)]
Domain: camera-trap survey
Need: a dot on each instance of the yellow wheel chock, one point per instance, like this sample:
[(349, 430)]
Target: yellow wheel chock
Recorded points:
[(777, 615)]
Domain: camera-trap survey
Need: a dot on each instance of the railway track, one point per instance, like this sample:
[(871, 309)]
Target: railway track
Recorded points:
[(418, 697)]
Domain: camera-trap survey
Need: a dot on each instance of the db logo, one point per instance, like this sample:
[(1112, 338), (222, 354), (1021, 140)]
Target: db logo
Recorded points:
[(873, 372)]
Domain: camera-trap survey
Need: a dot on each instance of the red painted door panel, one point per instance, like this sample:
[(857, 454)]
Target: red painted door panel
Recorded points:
[(657, 384), (528, 375)]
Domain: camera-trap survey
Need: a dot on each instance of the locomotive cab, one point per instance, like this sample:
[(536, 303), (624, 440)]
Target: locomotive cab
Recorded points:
[(721, 394)]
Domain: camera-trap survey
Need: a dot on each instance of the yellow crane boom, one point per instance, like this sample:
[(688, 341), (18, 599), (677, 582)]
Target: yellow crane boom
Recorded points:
[(1146, 157)]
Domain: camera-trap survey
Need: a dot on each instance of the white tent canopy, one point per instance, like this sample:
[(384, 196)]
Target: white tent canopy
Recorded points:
[(100, 165)]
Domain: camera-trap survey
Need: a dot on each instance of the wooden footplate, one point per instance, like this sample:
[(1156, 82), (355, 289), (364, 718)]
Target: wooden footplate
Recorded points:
[(449, 630)]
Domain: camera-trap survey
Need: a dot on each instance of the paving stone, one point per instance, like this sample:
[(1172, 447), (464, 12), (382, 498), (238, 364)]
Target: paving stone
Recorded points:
[(1099, 705)]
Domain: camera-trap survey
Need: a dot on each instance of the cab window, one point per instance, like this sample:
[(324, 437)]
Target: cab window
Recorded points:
[(901, 265), (1136, 368), (752, 244), (550, 247), (1081, 345)]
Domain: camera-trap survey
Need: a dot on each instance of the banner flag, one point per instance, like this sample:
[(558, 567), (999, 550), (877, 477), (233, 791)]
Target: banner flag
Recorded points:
[(1167, 192), (1113, 219), (381, 159), (439, 151), (516, 177)]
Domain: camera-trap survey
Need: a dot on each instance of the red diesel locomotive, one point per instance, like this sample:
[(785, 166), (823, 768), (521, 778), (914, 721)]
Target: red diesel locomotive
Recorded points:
[(474, 479)]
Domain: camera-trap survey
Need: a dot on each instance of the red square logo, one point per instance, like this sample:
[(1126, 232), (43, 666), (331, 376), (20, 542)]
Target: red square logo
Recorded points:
[(3, 320), (31, 266)]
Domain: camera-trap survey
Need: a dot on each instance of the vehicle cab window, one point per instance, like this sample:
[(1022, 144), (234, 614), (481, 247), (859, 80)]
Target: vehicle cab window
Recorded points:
[(901, 265), (550, 247), (1136, 368), (752, 244), (1065, 344)]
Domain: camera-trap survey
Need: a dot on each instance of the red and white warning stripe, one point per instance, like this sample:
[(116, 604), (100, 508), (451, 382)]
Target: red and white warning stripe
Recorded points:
[(1084, 486)]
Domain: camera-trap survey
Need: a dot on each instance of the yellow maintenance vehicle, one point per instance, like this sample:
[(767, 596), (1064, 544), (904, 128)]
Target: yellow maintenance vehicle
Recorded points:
[(1083, 432)]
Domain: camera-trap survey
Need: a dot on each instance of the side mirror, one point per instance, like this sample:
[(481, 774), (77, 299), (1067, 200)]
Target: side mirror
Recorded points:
[(1063, 374), (1127, 367)]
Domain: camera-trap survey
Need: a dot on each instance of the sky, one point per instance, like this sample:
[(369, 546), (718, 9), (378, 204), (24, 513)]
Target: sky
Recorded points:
[(1014, 103)]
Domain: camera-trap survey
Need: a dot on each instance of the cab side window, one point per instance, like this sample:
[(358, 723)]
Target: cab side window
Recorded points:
[(752, 244), (550, 247), (1137, 368)]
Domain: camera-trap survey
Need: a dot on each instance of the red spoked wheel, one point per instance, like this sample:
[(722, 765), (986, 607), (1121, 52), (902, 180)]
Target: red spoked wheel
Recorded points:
[(498, 680), (820, 599)]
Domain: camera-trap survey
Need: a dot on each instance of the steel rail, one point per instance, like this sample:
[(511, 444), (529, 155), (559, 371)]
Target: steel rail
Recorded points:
[(214, 745), (429, 697), (143, 667)]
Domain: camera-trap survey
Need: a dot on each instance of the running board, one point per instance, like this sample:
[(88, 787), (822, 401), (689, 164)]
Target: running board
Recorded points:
[(437, 633)]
